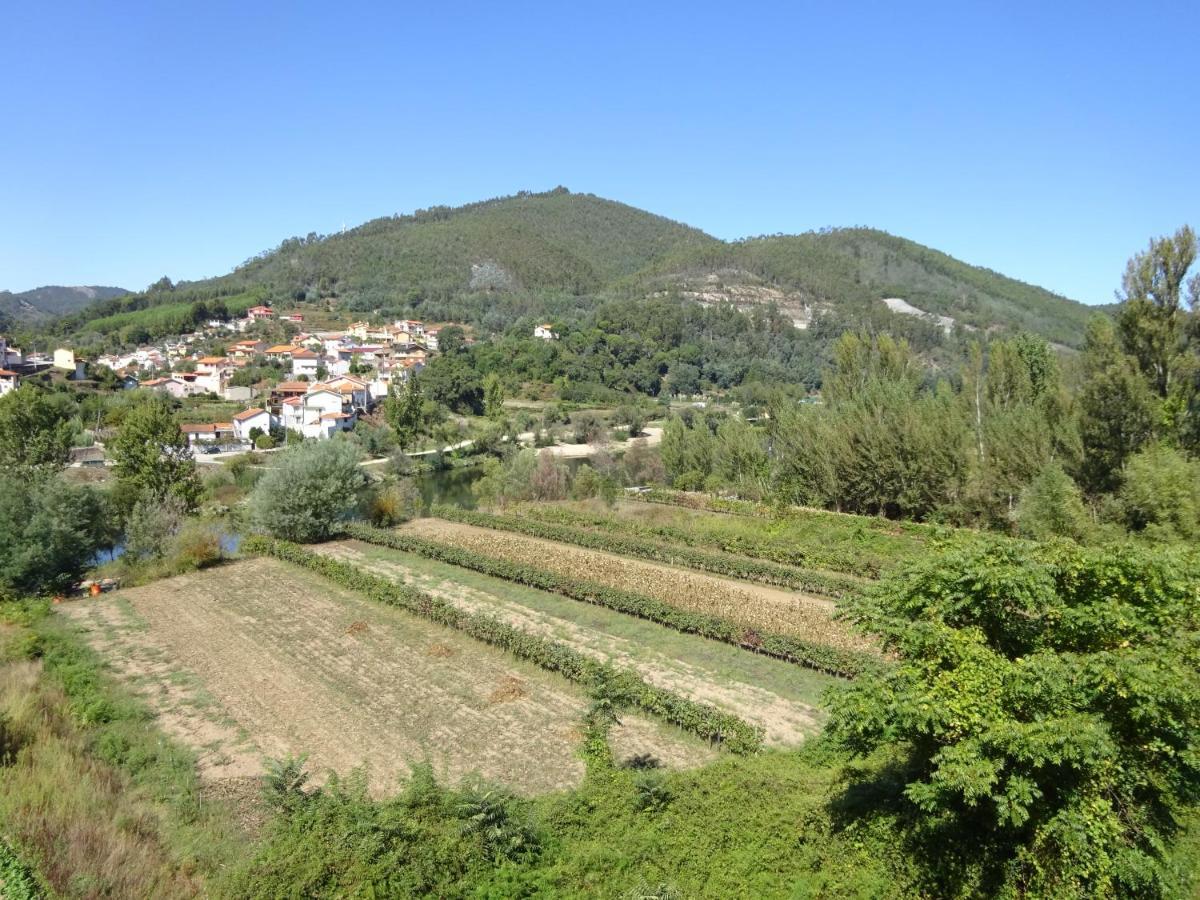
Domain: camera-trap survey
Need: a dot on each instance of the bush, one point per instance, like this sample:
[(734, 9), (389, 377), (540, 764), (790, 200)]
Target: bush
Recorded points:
[(313, 489), (394, 503), (49, 532), (152, 525), (1042, 715), (264, 442), (1052, 506), (1161, 494)]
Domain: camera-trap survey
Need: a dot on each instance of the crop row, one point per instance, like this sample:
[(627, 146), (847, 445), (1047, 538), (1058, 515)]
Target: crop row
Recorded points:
[(760, 607), (822, 657), (791, 555), (709, 503), (706, 561), (620, 686)]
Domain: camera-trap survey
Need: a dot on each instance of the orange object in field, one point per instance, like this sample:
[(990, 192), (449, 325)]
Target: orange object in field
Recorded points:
[(94, 590)]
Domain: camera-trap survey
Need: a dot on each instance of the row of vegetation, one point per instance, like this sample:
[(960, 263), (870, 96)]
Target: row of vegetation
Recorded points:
[(749, 541), (722, 564), (814, 655), (619, 686)]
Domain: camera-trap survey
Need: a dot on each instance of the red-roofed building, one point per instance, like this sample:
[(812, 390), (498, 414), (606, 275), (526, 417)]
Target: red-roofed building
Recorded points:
[(255, 313)]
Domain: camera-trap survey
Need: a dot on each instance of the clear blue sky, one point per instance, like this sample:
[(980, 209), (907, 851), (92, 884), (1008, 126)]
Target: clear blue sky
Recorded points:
[(1048, 141)]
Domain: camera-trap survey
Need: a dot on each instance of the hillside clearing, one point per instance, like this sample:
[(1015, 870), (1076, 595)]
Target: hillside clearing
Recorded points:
[(260, 659), (780, 697)]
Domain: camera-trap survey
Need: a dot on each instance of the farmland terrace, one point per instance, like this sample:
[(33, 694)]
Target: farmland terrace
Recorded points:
[(260, 659)]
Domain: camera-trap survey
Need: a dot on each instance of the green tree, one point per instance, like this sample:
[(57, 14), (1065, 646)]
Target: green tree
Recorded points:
[(1052, 506), (1116, 410), (49, 532), (1152, 320), (314, 487), (404, 411), (152, 457), (493, 395), (1041, 716), (35, 434), (1161, 493)]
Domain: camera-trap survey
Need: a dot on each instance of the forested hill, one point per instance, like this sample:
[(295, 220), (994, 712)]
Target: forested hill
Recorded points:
[(552, 253), (53, 300)]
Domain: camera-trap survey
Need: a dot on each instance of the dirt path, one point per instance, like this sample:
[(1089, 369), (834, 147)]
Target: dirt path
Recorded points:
[(785, 721), (756, 606), (262, 659)]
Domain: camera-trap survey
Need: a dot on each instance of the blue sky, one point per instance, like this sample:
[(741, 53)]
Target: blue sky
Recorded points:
[(1048, 141)]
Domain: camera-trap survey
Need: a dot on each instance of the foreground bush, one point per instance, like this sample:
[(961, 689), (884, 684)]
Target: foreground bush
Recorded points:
[(1045, 711)]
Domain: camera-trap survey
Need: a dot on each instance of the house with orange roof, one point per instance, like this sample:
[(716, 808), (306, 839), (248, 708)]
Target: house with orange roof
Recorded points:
[(244, 422), (208, 432), (306, 363), (256, 313), (9, 381)]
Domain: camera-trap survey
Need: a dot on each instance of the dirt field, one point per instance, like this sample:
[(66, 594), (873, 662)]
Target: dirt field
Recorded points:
[(780, 697), (757, 606), (259, 659)]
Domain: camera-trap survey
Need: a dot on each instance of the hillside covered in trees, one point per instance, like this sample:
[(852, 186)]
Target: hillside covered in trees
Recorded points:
[(557, 255)]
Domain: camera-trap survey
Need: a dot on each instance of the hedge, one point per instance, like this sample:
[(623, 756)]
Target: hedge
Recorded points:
[(715, 563), (846, 563), (621, 686), (822, 657)]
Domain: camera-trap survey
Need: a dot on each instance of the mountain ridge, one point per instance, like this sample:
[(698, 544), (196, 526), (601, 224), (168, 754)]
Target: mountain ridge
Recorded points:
[(542, 253)]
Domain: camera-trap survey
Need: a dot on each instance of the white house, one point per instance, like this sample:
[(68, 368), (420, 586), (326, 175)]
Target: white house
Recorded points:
[(545, 332), (208, 433), (173, 386), (9, 381), (319, 413), (243, 422), (306, 363)]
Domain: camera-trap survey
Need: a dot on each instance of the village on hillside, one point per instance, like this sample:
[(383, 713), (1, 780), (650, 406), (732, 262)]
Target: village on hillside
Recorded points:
[(323, 381)]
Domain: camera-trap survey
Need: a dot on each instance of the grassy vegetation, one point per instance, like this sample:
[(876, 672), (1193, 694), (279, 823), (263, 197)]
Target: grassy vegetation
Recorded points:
[(93, 795), (862, 545)]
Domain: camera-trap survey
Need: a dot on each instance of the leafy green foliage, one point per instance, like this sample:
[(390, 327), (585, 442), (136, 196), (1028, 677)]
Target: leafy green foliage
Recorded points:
[(1161, 494), (49, 531), (35, 433), (1052, 506), (314, 488), (152, 457), (1044, 705)]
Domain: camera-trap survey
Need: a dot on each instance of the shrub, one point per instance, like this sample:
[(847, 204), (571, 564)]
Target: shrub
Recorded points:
[(1161, 494), (394, 503), (264, 442), (314, 487), (1042, 715), (152, 525)]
